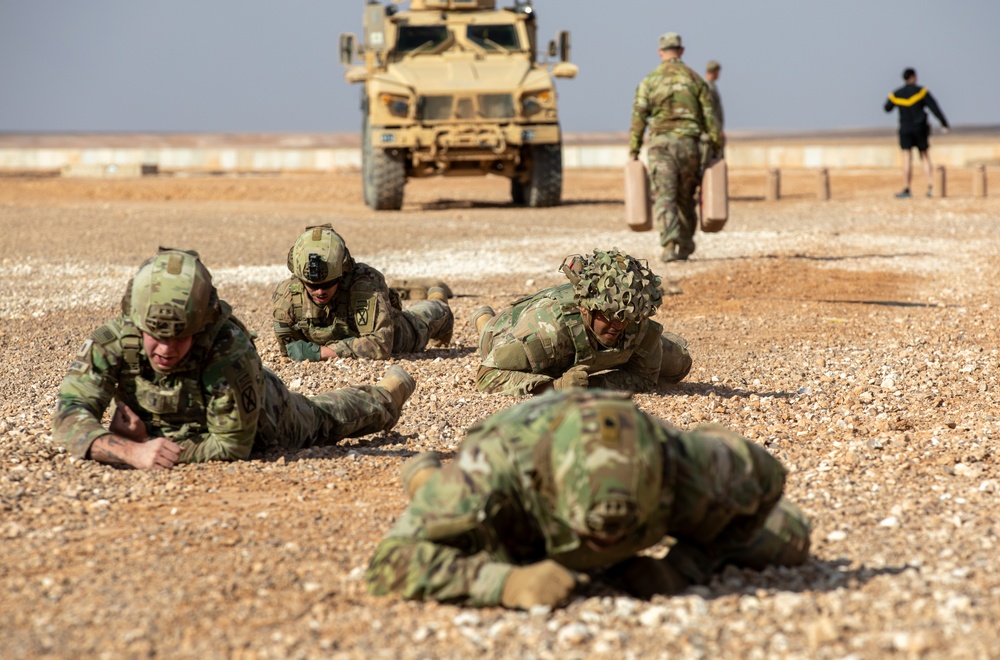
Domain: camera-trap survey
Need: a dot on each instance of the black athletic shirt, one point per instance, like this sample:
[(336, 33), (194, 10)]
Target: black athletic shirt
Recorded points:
[(913, 102)]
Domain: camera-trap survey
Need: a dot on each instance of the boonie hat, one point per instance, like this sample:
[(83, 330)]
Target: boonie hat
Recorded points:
[(712, 66)]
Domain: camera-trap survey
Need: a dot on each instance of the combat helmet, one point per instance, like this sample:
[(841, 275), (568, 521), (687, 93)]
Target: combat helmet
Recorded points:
[(319, 255), (615, 284), (605, 466), (172, 295)]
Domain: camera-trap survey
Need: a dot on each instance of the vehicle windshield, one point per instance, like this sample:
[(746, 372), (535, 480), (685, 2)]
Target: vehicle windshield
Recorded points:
[(495, 37), (422, 37)]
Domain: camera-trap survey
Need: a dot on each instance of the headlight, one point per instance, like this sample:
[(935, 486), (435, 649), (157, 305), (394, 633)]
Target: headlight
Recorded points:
[(398, 106), (534, 103)]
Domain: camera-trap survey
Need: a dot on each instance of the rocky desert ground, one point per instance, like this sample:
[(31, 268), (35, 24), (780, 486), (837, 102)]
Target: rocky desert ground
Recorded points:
[(855, 338)]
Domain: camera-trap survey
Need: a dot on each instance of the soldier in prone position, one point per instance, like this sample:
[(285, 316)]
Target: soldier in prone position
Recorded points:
[(334, 307), (571, 485), (189, 386), (594, 331)]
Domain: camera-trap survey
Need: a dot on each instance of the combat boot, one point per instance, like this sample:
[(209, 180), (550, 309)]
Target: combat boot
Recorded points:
[(443, 336), (480, 317), (398, 384), (417, 470)]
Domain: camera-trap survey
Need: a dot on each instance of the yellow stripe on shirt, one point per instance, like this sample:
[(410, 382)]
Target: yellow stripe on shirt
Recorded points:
[(916, 98)]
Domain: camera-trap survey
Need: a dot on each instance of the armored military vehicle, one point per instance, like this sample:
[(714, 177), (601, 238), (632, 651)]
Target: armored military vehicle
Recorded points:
[(456, 88)]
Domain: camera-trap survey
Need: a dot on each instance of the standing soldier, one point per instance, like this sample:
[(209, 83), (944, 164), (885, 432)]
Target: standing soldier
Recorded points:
[(913, 102), (333, 307), (712, 71), (189, 386), (677, 106), (570, 485), (594, 331)]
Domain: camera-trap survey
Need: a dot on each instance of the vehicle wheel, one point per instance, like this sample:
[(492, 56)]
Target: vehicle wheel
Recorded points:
[(545, 186), (517, 194), (388, 179)]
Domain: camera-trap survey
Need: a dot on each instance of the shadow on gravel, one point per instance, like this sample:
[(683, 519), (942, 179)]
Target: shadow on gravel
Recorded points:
[(720, 390), (810, 257), (386, 444), (816, 576), (451, 204)]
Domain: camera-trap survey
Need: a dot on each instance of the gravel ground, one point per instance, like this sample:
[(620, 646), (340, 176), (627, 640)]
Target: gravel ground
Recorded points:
[(855, 338)]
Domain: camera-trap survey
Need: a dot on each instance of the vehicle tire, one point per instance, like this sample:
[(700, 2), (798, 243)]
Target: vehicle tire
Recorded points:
[(517, 194), (545, 186), (388, 179)]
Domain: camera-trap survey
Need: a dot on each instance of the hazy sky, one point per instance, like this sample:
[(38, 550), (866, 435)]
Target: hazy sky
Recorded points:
[(257, 65)]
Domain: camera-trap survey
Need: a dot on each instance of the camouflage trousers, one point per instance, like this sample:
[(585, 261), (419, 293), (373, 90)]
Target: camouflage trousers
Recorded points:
[(428, 320), (294, 421), (674, 177), (676, 361), (740, 515)]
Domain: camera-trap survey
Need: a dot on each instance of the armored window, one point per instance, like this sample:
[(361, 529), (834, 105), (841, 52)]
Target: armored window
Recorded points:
[(496, 106), (424, 37), (494, 37), (434, 108)]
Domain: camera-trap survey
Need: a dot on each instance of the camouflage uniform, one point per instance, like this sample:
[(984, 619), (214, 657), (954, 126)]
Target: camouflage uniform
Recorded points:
[(365, 318), (677, 106), (539, 479), (218, 403), (542, 336)]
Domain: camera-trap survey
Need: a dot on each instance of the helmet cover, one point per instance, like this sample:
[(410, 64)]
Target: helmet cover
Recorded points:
[(615, 284), (172, 295)]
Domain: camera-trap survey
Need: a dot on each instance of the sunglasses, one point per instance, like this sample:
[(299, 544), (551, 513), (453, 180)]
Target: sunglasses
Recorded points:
[(322, 286)]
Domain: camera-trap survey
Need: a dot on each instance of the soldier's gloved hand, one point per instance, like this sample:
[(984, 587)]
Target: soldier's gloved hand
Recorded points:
[(645, 577), (575, 377), (301, 351), (544, 583)]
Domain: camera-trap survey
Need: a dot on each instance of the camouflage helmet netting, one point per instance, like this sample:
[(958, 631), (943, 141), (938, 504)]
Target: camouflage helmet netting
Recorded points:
[(617, 285), (172, 295), (606, 466), (331, 261)]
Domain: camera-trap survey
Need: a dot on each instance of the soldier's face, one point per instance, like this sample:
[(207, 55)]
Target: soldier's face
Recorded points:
[(323, 293), (165, 354), (607, 330)]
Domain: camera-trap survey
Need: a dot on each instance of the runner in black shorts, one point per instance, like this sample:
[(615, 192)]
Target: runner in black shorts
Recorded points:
[(913, 102)]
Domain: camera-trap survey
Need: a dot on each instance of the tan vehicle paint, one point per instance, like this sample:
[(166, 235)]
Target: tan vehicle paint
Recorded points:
[(455, 88)]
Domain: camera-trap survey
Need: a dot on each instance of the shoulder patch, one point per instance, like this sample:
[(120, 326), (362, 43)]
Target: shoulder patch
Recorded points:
[(103, 335)]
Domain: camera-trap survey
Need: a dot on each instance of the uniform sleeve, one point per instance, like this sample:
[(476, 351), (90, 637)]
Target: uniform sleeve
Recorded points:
[(440, 547), (373, 316), (283, 315), (640, 115), (641, 371), (233, 386), (537, 349), (933, 107), (709, 113), (85, 393)]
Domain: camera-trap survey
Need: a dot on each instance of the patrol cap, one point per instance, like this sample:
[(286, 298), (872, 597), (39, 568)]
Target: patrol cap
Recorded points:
[(670, 40), (712, 66), (607, 466)]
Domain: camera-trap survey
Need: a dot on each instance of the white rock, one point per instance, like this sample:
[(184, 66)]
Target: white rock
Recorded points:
[(466, 619), (573, 634), (891, 521), (654, 616), (836, 535)]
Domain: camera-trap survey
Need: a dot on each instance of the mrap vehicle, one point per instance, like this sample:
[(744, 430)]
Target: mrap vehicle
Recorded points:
[(456, 88)]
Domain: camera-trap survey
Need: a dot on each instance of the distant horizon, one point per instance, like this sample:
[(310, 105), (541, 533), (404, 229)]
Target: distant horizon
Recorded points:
[(255, 66)]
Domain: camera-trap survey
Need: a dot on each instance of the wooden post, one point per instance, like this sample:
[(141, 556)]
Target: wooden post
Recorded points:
[(940, 181), (979, 182), (823, 184), (773, 192)]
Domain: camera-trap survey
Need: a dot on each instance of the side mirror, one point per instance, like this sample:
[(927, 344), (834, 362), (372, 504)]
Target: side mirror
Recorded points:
[(552, 49), (564, 46), (347, 49)]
